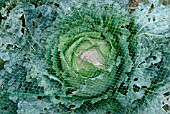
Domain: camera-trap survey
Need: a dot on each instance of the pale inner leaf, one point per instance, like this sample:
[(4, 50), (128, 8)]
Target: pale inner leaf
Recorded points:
[(94, 57)]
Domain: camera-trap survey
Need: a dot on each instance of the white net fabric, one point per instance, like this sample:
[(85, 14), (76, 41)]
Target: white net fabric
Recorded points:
[(91, 57)]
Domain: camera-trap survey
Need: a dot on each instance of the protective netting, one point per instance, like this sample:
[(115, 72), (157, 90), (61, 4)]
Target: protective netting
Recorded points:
[(84, 57)]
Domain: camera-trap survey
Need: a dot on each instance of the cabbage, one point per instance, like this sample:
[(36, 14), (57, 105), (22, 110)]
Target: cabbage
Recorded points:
[(90, 57)]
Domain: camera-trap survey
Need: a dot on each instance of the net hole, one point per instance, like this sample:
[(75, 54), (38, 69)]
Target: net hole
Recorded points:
[(166, 107), (39, 97), (135, 79), (136, 88), (57, 97)]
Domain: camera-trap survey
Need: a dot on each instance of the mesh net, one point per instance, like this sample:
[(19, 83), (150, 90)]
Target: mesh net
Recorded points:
[(93, 57)]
